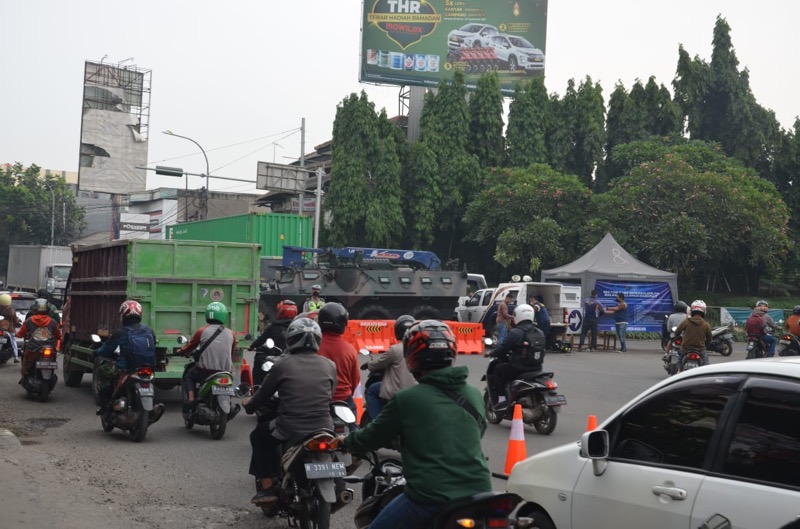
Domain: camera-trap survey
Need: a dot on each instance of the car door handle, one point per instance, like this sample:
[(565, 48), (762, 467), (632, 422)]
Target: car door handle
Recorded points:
[(673, 492)]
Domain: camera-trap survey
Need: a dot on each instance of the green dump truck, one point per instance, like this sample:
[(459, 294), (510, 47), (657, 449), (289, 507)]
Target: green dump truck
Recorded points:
[(173, 280)]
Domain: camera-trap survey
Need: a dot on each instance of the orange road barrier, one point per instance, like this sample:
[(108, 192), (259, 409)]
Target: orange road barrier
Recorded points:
[(245, 374), (592, 424), (469, 337), (358, 397), (373, 335), (516, 441)]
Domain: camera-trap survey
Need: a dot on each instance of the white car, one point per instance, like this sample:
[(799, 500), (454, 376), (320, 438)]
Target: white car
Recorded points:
[(471, 36), (518, 53), (715, 447)]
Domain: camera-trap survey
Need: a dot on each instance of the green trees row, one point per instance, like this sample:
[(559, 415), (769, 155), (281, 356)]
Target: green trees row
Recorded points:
[(30, 205), (719, 209)]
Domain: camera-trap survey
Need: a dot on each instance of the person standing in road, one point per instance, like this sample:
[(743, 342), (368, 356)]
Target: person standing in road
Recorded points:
[(504, 318), (315, 302), (592, 310), (620, 321)]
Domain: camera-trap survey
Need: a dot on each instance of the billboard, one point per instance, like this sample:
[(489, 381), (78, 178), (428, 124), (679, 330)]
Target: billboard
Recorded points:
[(420, 42), (648, 304), (114, 127)]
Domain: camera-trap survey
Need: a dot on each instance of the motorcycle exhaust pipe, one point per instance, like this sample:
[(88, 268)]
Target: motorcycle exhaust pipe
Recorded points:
[(346, 496)]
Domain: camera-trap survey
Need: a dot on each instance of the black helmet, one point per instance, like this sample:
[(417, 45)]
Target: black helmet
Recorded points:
[(681, 306), (40, 306), (303, 334), (401, 325), (333, 317), (44, 294), (796, 309), (427, 345)]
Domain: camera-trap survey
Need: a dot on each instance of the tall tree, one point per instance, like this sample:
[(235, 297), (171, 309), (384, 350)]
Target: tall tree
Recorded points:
[(486, 121), (33, 206), (528, 116), (623, 125), (422, 195), (385, 222), (590, 133), (662, 116)]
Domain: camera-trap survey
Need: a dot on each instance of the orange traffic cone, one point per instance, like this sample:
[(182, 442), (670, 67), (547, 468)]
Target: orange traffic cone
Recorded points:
[(592, 424), (358, 398), (245, 375), (516, 441)]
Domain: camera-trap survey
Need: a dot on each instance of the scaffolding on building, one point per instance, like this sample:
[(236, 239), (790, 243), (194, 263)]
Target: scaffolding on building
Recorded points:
[(119, 88)]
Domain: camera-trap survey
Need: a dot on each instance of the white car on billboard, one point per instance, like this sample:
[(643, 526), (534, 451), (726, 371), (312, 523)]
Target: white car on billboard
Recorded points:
[(471, 36), (517, 53), (714, 447)]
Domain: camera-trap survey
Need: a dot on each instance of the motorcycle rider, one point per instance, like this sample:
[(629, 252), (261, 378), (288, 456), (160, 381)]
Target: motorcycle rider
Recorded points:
[(137, 347), (441, 449), (286, 311), (680, 313), (38, 331), (314, 302), (761, 324), (695, 330), (793, 322), (7, 329), (523, 352), (396, 375), (48, 296), (305, 381), (332, 320), (213, 346), (9, 316)]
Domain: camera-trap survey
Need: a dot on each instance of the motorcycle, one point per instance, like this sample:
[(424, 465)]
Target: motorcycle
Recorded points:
[(673, 358), (6, 346), (385, 482), (790, 345), (131, 408), (756, 348), (721, 340), (41, 378), (691, 359), (535, 392)]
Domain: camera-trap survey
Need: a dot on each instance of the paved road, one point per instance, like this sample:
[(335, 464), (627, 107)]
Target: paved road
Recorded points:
[(179, 478)]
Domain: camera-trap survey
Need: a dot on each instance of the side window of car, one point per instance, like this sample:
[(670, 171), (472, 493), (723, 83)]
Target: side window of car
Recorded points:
[(673, 426), (766, 440)]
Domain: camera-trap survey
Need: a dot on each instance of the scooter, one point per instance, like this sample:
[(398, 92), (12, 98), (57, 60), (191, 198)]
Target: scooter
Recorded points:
[(756, 348), (131, 408), (385, 482), (41, 378), (691, 359), (536, 392), (673, 358), (790, 345), (721, 340), (6, 346)]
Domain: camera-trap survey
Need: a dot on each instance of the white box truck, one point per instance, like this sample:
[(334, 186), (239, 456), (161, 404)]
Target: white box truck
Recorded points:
[(31, 268)]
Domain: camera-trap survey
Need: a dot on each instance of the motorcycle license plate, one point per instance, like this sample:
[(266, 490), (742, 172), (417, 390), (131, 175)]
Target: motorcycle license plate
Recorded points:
[(222, 390), (555, 400), (145, 392), (3, 340), (325, 470), (44, 364)]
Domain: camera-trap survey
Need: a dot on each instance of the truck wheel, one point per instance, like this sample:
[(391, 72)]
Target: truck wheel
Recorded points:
[(72, 374), (373, 312), (426, 312)]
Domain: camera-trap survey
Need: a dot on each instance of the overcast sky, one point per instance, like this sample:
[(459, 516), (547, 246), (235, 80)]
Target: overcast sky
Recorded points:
[(244, 73)]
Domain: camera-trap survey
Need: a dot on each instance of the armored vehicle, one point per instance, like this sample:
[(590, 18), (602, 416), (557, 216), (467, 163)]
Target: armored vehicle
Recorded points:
[(372, 283)]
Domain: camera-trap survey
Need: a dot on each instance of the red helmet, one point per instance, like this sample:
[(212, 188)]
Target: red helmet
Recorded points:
[(429, 344), (287, 309), (130, 308)]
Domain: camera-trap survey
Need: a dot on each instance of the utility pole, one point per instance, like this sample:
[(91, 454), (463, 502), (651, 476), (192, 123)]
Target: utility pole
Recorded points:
[(318, 208), (302, 190)]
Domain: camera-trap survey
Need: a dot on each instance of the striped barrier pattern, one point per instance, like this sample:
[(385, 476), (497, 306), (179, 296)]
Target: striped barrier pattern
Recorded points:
[(377, 335)]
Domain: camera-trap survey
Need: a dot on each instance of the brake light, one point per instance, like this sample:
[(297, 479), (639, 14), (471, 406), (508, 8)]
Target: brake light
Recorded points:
[(497, 522), (550, 384), (787, 337), (224, 381), (466, 522), (319, 444), (693, 356), (145, 372), (47, 353), (678, 341)]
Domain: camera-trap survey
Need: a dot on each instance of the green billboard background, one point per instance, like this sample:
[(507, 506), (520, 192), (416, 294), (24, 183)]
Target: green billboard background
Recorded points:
[(421, 42)]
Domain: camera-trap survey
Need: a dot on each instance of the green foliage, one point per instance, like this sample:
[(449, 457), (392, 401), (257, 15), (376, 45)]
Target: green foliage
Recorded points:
[(422, 195), (528, 116), (27, 209), (486, 121), (535, 215), (691, 209)]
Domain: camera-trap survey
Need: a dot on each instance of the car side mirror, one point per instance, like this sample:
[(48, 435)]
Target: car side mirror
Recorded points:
[(595, 446), (183, 340), (270, 343)]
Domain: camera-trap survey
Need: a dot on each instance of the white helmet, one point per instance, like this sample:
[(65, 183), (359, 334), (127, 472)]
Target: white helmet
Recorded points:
[(698, 305), (522, 313)]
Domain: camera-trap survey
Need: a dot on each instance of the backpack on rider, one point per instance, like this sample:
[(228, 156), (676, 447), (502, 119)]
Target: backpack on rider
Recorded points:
[(754, 326)]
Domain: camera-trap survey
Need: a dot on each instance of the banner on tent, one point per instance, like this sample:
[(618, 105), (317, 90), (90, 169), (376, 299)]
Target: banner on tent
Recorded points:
[(648, 304)]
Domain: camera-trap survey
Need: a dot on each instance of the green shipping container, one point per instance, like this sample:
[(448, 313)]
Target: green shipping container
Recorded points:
[(270, 230)]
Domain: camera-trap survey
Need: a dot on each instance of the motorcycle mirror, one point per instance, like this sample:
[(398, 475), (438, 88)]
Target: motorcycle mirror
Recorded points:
[(364, 352), (487, 341), (270, 343), (242, 389), (248, 336), (345, 414), (674, 329), (267, 366), (95, 338), (527, 279), (182, 339)]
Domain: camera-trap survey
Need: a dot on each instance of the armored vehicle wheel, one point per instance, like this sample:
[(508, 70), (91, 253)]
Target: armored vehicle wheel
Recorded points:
[(373, 312), (426, 312)]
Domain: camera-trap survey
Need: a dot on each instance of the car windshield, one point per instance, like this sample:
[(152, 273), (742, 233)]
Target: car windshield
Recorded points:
[(519, 42), (471, 28)]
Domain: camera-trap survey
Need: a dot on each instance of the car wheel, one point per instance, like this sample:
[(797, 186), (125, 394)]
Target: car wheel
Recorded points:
[(512, 64), (540, 519)]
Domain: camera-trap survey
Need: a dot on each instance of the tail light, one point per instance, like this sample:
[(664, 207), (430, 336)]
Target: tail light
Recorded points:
[(225, 380), (678, 341), (320, 444), (48, 352), (550, 384), (145, 372), (787, 337), (466, 522), (503, 504), (693, 355)]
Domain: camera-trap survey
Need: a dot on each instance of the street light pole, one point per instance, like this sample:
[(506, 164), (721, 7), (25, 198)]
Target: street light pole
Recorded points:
[(208, 169)]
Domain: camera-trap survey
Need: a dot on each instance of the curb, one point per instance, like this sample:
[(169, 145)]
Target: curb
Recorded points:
[(8, 439)]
